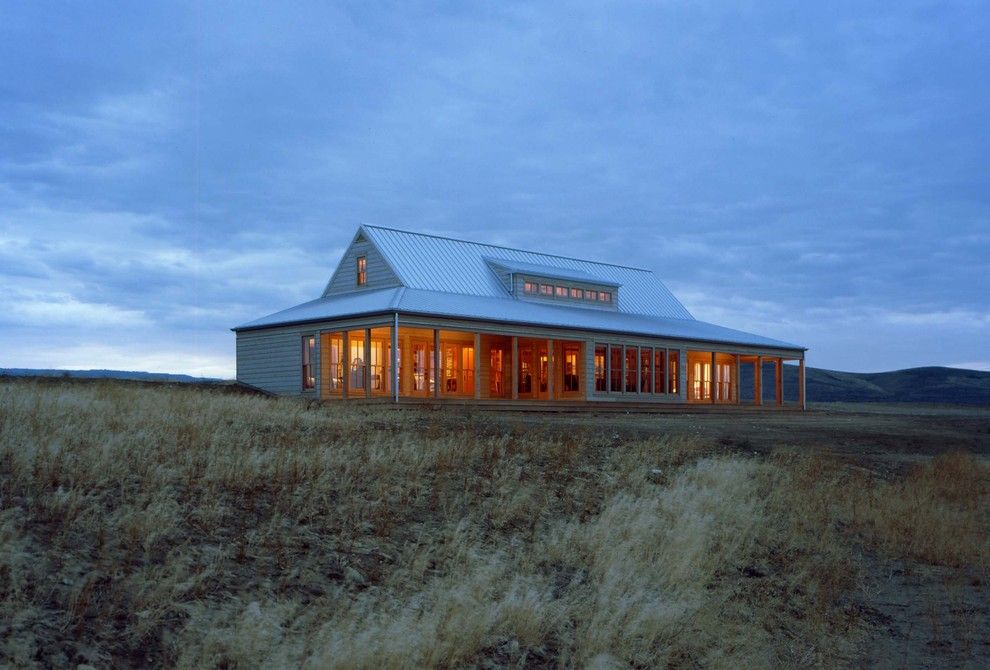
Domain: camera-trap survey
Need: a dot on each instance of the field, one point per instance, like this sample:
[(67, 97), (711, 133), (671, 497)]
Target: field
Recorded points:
[(146, 525)]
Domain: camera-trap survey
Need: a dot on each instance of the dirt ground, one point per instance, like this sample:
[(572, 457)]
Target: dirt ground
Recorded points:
[(915, 615)]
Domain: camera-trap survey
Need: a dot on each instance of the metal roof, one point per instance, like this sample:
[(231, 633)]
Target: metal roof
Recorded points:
[(431, 263), (452, 278), (437, 303)]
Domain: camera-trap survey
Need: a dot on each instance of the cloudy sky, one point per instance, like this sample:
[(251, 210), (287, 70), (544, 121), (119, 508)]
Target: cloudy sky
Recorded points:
[(815, 172)]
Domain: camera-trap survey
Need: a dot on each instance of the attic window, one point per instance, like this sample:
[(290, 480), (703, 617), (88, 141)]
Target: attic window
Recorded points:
[(362, 270)]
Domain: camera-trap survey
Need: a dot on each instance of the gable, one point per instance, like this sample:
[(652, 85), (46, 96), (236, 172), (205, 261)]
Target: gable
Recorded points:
[(379, 273)]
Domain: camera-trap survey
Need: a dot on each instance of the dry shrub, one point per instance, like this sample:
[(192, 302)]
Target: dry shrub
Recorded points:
[(938, 512)]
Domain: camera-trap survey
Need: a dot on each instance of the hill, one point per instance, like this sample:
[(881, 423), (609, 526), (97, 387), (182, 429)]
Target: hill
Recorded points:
[(929, 385), (108, 374)]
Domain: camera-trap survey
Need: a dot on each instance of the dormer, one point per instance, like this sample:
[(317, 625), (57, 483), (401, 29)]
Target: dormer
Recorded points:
[(547, 283)]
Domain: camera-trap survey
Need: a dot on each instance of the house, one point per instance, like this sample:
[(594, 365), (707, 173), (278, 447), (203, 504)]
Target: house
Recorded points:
[(412, 317)]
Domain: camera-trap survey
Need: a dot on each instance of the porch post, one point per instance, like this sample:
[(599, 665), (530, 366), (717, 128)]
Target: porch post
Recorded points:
[(758, 381), (515, 368), (802, 399), (735, 381), (367, 363), (780, 381), (394, 358), (477, 366), (550, 370), (713, 384), (345, 357), (652, 362), (436, 363), (666, 372)]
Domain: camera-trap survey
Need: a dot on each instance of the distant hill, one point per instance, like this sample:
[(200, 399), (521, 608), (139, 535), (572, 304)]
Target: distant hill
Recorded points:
[(109, 374), (932, 385)]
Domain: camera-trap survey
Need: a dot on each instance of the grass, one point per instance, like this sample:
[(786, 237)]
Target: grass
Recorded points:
[(186, 528)]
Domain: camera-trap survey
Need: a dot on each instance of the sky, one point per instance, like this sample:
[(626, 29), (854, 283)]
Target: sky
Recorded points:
[(814, 172)]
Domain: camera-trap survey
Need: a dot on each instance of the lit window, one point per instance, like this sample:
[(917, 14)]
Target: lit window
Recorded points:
[(605, 296), (308, 354), (561, 291), (576, 293), (590, 295), (546, 289), (362, 270), (530, 287)]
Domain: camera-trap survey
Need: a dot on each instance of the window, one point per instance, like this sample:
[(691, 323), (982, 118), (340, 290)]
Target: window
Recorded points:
[(605, 296), (631, 375), (561, 291), (546, 289), (673, 356), (333, 361), (530, 287), (659, 356), (645, 370), (357, 362), (590, 295), (571, 381), (615, 369), (576, 293), (308, 354), (362, 270), (601, 351)]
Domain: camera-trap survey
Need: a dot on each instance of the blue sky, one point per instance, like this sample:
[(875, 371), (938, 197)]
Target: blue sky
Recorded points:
[(815, 172)]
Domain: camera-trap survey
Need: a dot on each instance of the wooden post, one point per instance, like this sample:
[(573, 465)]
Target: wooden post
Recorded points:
[(802, 398), (758, 381), (713, 383), (394, 359), (436, 363), (477, 366), (345, 364), (652, 367), (550, 388), (666, 372), (735, 381), (366, 373), (780, 381), (622, 380), (515, 368)]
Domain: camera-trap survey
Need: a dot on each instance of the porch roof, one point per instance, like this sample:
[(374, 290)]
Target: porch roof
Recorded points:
[(531, 313)]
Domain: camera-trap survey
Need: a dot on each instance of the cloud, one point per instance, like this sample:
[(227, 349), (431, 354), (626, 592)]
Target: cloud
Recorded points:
[(815, 175), (61, 310)]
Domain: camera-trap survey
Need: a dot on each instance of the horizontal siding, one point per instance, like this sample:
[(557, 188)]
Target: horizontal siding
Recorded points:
[(345, 278), (271, 359)]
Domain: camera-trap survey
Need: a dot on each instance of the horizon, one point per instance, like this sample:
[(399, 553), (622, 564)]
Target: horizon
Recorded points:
[(811, 174)]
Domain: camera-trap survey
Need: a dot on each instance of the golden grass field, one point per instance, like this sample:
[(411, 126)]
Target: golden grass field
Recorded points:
[(160, 526)]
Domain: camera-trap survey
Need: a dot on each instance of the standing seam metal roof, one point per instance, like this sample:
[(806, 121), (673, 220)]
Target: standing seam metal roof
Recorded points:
[(457, 266)]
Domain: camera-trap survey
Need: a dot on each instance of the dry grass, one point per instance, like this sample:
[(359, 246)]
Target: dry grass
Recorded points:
[(185, 528)]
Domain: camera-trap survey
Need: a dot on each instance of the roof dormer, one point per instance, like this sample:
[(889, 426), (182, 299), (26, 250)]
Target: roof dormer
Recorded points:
[(547, 283)]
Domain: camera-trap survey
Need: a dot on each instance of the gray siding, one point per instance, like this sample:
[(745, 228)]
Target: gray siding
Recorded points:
[(380, 275), (271, 359)]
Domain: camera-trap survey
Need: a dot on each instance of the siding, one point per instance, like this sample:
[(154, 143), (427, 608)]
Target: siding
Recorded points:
[(380, 275), (271, 359)]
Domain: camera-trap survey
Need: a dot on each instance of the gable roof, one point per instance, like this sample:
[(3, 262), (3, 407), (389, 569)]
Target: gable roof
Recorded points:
[(433, 263), (455, 278)]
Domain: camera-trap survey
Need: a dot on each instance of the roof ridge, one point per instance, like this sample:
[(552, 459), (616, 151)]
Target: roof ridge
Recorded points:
[(500, 246)]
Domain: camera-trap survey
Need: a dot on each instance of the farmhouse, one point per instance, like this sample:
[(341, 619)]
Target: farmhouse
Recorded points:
[(410, 317)]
